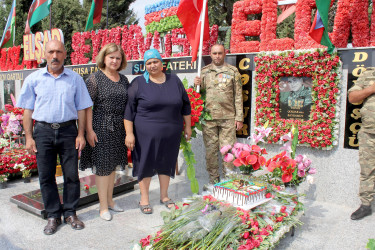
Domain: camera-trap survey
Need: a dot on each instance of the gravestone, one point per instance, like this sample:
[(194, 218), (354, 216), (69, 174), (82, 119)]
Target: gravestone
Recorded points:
[(33, 202)]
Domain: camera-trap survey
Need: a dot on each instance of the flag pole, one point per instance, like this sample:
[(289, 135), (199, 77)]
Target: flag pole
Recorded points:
[(107, 14), (201, 42), (50, 17)]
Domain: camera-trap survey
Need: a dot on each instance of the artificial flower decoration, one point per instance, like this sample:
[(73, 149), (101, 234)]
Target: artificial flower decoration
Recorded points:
[(321, 129)]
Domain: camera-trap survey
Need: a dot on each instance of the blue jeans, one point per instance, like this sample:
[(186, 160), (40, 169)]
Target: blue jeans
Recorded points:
[(49, 143)]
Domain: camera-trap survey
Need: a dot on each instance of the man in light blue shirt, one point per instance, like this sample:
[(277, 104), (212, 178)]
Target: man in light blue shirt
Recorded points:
[(55, 97)]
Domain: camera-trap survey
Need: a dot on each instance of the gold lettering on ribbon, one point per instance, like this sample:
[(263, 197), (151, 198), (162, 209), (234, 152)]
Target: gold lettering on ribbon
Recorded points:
[(246, 111), (245, 79), (243, 131), (352, 141), (360, 56), (245, 96), (353, 128), (357, 71), (356, 114), (242, 65)]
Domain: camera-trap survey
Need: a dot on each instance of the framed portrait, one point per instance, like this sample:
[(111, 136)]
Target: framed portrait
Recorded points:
[(295, 97)]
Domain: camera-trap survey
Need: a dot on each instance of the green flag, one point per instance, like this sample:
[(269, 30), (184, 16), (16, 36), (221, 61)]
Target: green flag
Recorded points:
[(95, 14), (318, 30)]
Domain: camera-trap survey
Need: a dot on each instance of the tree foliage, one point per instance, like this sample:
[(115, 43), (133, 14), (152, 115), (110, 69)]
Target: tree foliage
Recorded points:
[(119, 14), (220, 12), (22, 9), (69, 16)]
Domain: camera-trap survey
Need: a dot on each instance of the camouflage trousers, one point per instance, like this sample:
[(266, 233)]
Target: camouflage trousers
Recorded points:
[(367, 162), (216, 134)]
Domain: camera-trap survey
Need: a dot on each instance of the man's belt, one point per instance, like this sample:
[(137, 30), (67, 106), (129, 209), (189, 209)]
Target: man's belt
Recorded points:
[(56, 125)]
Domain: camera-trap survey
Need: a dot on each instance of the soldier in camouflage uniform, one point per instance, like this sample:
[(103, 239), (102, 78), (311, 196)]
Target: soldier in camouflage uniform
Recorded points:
[(299, 98), (223, 86), (364, 90)]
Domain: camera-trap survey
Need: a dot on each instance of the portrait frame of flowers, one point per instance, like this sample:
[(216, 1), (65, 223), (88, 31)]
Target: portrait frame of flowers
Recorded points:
[(321, 130)]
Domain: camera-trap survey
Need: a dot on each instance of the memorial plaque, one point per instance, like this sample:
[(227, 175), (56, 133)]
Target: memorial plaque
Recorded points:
[(33, 202)]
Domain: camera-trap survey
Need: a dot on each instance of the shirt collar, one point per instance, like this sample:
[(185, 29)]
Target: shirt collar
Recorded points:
[(216, 69), (45, 71)]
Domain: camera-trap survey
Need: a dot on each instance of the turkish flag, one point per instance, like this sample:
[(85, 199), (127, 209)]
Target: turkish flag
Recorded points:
[(191, 16)]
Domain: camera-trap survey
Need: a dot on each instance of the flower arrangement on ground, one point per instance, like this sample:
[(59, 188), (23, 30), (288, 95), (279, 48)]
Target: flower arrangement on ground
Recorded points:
[(4, 177), (283, 168), (198, 115), (10, 159), (248, 158), (286, 167), (206, 223), (24, 170), (11, 121)]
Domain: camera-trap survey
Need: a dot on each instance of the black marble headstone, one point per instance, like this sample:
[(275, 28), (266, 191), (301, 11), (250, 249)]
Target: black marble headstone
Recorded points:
[(33, 202)]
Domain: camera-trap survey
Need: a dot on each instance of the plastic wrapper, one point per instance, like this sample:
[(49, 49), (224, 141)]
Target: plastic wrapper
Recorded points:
[(208, 221), (198, 235), (186, 232)]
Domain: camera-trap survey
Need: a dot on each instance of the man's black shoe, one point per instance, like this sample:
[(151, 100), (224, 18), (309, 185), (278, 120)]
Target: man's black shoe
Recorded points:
[(361, 212)]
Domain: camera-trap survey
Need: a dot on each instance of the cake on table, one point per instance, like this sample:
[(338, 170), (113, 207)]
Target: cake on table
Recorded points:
[(240, 192)]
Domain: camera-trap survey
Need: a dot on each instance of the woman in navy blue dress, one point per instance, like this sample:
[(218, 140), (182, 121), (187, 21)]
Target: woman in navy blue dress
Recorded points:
[(155, 113)]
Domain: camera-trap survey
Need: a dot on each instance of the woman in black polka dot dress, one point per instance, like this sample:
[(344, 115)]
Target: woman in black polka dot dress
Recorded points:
[(105, 131)]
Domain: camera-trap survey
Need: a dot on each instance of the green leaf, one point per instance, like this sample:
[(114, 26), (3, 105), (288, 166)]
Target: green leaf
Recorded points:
[(371, 244), (185, 83), (194, 186), (295, 141), (190, 171)]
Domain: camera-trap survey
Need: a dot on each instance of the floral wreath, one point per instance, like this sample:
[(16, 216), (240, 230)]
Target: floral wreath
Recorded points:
[(321, 130)]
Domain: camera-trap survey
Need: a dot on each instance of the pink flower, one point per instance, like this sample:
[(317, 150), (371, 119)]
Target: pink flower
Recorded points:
[(228, 157), (238, 145), (312, 171), (287, 137), (255, 148), (264, 132), (287, 147), (301, 173), (236, 152), (247, 148), (307, 163), (301, 166), (256, 138), (225, 149), (299, 158)]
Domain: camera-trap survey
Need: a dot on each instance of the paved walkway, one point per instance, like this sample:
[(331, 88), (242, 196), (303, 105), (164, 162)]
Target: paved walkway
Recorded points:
[(326, 226)]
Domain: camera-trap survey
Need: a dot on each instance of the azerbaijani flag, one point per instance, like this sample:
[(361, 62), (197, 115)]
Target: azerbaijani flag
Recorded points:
[(9, 32), (39, 9), (95, 14), (318, 30)]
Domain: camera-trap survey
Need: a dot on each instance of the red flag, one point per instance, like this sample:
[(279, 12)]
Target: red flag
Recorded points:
[(317, 28), (191, 16)]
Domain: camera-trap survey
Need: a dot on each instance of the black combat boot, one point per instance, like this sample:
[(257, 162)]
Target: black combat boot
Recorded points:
[(361, 212)]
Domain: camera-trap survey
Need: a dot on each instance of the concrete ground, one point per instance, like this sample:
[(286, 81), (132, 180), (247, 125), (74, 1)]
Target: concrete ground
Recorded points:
[(326, 225)]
